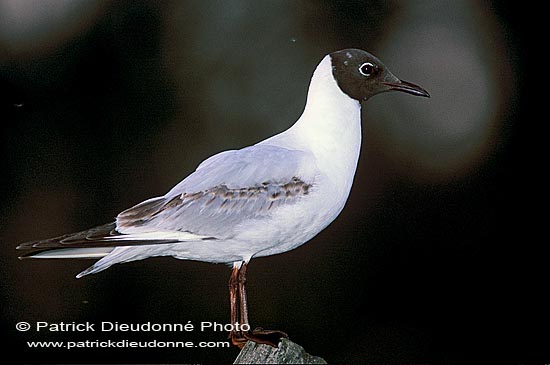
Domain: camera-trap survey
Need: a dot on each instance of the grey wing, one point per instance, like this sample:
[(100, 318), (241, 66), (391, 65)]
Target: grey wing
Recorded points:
[(215, 211), (226, 190)]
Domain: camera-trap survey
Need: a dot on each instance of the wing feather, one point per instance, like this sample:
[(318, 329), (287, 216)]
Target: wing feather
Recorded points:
[(225, 190), (213, 212), (100, 236)]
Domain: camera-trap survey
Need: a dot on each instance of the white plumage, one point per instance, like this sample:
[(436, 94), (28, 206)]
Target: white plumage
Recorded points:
[(261, 200)]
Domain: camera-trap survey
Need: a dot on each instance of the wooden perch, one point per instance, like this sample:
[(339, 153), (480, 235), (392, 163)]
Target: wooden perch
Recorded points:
[(287, 353)]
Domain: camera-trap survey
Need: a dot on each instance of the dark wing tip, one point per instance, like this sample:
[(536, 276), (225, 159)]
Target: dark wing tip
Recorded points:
[(83, 238), (100, 236)]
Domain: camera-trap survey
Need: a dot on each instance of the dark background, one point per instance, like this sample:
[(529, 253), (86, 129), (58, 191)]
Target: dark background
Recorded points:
[(434, 259)]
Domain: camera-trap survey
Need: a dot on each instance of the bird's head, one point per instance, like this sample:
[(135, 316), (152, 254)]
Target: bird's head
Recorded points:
[(360, 75)]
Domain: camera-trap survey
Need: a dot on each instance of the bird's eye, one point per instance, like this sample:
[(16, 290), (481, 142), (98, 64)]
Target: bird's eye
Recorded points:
[(367, 69)]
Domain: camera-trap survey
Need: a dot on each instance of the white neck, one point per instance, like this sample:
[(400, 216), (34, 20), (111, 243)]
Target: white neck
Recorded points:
[(330, 127)]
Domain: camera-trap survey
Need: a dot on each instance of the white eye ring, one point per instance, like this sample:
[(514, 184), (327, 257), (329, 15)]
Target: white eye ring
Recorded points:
[(367, 69)]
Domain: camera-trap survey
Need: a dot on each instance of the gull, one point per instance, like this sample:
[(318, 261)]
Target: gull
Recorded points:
[(260, 200)]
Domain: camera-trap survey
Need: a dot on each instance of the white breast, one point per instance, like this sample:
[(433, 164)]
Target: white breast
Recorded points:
[(329, 128)]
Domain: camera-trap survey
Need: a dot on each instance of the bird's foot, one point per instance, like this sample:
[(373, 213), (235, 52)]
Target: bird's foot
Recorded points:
[(259, 335)]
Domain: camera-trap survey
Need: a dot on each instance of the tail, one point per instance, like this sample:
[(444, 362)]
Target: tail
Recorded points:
[(124, 254)]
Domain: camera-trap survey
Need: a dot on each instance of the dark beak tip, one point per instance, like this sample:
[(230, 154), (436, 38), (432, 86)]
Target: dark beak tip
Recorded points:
[(407, 87)]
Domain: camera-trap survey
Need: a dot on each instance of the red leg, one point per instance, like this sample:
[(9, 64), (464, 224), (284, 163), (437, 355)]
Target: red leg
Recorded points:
[(259, 335), (236, 337)]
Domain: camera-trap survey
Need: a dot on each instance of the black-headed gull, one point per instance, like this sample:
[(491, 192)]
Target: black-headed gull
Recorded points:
[(260, 200)]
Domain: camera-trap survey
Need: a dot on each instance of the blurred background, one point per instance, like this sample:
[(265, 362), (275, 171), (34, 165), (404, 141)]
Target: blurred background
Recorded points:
[(107, 103)]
